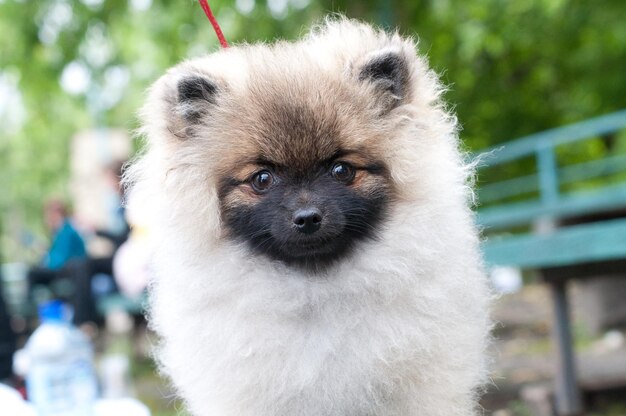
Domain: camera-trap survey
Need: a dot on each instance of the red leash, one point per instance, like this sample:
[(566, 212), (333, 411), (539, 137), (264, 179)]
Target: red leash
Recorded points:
[(216, 26)]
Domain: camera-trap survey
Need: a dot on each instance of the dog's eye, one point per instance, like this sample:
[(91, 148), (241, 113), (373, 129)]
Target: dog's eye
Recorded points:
[(262, 180), (343, 172)]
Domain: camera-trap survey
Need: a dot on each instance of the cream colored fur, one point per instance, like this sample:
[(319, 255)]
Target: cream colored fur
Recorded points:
[(397, 328)]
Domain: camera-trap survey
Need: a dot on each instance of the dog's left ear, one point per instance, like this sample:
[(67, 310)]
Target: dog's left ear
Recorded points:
[(389, 71)]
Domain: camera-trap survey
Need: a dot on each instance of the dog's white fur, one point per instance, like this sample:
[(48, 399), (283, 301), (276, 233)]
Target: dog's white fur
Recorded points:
[(397, 328)]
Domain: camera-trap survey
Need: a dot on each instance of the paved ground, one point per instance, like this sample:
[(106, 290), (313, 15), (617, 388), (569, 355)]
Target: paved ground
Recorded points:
[(524, 358)]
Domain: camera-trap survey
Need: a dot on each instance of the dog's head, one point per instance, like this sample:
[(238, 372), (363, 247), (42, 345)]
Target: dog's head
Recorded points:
[(297, 140)]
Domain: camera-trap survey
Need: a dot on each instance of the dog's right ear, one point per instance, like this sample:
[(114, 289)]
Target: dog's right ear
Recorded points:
[(190, 98), (195, 94)]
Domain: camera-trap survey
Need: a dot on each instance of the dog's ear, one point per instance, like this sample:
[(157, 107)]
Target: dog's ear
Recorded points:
[(190, 99), (195, 95), (389, 72)]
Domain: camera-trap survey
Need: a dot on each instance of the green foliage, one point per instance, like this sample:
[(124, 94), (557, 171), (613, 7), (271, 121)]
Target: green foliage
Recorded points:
[(513, 67), (520, 67)]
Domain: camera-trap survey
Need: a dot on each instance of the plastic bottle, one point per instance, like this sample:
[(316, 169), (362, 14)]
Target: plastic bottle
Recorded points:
[(61, 380)]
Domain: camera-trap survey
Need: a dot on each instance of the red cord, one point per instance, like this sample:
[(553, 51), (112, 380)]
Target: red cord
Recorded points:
[(216, 26)]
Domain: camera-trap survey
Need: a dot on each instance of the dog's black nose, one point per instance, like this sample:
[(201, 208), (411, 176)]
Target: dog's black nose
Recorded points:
[(307, 220)]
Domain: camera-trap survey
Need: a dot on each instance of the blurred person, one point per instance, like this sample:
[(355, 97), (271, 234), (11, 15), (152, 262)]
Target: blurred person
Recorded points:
[(66, 258), (67, 244)]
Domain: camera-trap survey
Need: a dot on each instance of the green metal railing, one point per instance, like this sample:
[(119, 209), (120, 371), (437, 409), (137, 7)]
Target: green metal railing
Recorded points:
[(525, 202), (545, 185)]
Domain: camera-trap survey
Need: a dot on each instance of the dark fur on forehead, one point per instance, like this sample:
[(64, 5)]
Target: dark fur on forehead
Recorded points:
[(296, 128)]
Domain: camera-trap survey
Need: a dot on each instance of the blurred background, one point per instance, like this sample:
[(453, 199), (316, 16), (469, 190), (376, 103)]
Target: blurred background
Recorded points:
[(73, 74)]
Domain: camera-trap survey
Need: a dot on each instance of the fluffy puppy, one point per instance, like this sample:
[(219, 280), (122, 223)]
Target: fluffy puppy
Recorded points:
[(315, 250)]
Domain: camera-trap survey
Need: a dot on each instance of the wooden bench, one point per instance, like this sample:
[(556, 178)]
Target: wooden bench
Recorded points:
[(564, 221)]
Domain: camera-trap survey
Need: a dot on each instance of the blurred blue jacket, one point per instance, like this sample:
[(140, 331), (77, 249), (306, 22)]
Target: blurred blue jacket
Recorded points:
[(66, 245)]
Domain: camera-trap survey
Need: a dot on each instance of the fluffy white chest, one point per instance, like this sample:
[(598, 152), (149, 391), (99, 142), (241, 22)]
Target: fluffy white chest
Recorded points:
[(242, 342)]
